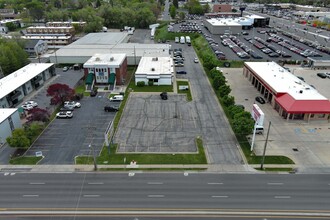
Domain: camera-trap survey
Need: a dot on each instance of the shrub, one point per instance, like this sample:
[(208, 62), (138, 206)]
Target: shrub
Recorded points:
[(140, 83)]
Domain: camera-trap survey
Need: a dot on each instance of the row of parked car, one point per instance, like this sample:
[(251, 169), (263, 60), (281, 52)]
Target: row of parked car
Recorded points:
[(215, 47), (268, 48), (178, 57), (190, 27)]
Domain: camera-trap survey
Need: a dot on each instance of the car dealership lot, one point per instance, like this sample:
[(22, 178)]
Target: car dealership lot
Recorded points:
[(306, 143), (64, 139)]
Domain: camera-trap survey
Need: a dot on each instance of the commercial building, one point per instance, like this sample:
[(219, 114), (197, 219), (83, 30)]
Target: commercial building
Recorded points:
[(105, 70), (9, 121), (292, 98), (22, 82), (258, 21), (50, 30), (222, 8), (7, 13), (55, 41), (158, 70), (222, 26), (4, 23), (104, 43), (65, 23)]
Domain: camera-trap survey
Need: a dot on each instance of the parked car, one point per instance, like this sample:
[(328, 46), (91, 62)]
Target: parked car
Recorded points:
[(67, 108), (328, 75), (27, 107), (117, 98), (322, 75), (66, 114), (72, 103), (110, 109), (33, 103), (65, 69), (196, 60), (93, 93), (181, 72), (260, 100), (163, 96)]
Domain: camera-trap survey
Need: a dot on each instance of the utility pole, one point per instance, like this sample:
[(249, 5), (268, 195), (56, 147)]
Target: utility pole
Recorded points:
[(263, 155), (94, 157)]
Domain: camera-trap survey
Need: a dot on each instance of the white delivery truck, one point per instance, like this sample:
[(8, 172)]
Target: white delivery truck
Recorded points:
[(182, 40), (188, 40), (177, 40)]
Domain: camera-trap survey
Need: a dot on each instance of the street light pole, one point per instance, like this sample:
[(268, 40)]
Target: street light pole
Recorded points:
[(263, 155), (94, 157)]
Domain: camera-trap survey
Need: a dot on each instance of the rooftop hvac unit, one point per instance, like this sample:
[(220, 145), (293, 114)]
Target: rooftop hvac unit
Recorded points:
[(112, 58), (97, 59), (155, 59), (152, 69)]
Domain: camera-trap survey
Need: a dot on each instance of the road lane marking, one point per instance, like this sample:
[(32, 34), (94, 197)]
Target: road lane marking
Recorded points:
[(37, 183), (219, 196), (30, 195), (275, 183), (131, 174), (155, 183), (282, 197), (91, 195), (214, 183), (156, 196), (96, 183)]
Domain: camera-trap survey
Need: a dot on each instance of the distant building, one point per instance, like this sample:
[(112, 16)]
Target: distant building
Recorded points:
[(222, 26), (158, 70), (292, 98), (105, 70), (22, 82), (258, 21), (51, 30), (54, 41), (9, 121), (222, 8), (65, 23), (6, 13), (3, 24), (36, 47)]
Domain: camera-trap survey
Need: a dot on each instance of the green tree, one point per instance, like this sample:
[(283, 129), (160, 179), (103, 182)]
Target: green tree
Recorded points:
[(172, 11), (182, 15), (176, 3), (228, 100), (213, 73), (35, 9), (224, 90), (33, 130), (234, 109), (209, 61), (18, 139), (243, 123), (218, 81)]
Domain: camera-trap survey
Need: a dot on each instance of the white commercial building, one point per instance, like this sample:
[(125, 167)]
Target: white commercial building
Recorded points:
[(158, 70), (23, 81), (109, 42), (9, 121), (222, 26)]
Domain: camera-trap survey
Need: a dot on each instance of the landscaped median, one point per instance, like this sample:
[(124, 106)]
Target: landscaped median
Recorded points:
[(186, 89)]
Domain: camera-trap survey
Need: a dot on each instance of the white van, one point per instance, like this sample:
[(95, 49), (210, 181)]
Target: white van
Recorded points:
[(259, 129), (177, 40), (117, 98), (182, 40)]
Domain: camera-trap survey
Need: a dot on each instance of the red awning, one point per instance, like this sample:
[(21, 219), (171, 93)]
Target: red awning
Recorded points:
[(291, 105)]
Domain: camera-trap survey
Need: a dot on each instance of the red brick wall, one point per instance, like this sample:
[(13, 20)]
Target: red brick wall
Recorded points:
[(121, 73), (222, 8)]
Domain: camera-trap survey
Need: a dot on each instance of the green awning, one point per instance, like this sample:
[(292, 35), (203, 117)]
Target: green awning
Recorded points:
[(112, 78), (89, 79)]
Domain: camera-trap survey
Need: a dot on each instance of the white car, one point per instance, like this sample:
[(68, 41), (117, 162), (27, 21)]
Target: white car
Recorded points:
[(27, 107), (196, 60), (33, 103), (65, 69), (66, 114), (72, 104)]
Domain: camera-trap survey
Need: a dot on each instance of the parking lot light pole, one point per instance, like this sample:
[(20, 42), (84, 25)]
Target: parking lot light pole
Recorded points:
[(264, 153), (94, 157)]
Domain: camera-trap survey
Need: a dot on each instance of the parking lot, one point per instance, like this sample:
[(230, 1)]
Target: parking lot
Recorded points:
[(64, 139), (306, 143)]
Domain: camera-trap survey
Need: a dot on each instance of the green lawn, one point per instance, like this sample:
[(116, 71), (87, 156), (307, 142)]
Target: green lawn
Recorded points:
[(114, 158), (81, 89), (187, 92), (147, 88), (25, 160)]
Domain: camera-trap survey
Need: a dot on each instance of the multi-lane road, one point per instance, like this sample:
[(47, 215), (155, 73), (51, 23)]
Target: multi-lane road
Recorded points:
[(175, 194)]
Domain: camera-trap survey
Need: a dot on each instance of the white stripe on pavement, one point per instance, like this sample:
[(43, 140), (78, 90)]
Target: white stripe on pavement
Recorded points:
[(155, 196), (155, 183), (91, 195), (214, 183), (37, 183), (219, 196), (30, 195), (282, 197), (275, 183)]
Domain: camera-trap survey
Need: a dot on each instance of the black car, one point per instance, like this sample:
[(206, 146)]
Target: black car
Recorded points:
[(93, 93), (163, 95), (181, 72), (110, 109), (260, 100), (322, 75)]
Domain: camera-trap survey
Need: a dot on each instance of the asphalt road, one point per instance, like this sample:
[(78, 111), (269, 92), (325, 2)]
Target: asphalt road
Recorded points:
[(143, 194), (219, 140)]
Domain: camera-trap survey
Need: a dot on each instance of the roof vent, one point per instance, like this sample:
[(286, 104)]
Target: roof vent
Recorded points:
[(152, 69), (155, 59), (300, 91), (112, 58), (97, 59)]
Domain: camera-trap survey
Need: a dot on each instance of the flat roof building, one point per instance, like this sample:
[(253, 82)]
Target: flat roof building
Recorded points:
[(290, 96), (23, 81), (109, 42), (222, 26), (158, 70), (9, 121)]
